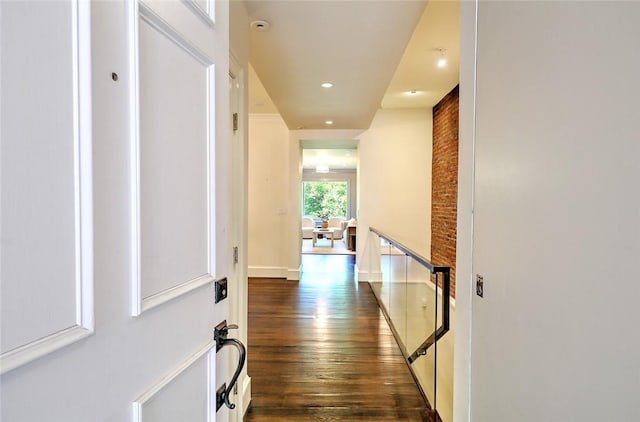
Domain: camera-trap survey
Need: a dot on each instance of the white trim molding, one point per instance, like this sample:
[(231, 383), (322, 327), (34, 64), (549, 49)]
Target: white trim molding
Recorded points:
[(245, 394), (369, 276), (206, 351), (34, 350), (83, 202), (141, 12), (175, 291), (267, 272), (163, 27), (207, 15), (293, 273)]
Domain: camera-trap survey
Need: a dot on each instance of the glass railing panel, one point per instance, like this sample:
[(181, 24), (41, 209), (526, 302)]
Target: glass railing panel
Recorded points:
[(409, 290), (397, 286), (444, 363), (424, 317), (376, 263), (420, 304), (381, 277)]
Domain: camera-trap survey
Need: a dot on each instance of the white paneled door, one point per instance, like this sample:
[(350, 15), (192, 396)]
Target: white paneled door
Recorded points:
[(115, 219)]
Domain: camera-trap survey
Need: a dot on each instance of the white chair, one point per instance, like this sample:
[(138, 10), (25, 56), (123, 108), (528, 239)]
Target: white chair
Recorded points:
[(337, 224), (307, 227)]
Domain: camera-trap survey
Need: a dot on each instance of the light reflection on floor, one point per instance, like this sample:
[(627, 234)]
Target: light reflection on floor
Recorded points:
[(411, 306)]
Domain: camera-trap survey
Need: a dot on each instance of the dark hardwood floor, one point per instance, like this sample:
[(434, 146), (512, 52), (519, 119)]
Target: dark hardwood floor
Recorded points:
[(320, 350)]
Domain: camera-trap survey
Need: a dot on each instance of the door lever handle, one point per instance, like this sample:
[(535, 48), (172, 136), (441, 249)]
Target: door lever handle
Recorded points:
[(220, 334)]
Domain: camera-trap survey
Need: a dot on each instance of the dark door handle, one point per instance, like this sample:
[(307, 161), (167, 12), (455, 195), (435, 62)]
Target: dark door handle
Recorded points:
[(220, 336)]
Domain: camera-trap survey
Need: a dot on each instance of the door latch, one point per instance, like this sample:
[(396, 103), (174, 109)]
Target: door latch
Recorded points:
[(220, 335)]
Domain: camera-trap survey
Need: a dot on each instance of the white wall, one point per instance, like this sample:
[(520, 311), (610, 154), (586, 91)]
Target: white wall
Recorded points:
[(239, 33), (394, 186), (275, 185), (268, 195), (395, 180), (557, 212)]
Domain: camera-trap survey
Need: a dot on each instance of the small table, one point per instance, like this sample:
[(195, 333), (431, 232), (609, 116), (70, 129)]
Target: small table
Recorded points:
[(316, 232), (351, 238)]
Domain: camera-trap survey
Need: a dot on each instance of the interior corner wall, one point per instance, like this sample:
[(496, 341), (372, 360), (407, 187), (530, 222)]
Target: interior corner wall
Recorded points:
[(268, 197), (238, 33), (444, 188), (395, 180)]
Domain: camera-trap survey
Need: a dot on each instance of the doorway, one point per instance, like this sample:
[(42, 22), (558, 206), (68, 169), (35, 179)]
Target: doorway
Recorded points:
[(328, 200)]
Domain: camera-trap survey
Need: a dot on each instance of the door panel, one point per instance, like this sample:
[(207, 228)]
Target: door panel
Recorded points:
[(183, 395), (46, 253), (174, 143)]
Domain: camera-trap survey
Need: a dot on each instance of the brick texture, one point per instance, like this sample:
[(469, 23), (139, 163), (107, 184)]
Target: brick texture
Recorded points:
[(444, 190)]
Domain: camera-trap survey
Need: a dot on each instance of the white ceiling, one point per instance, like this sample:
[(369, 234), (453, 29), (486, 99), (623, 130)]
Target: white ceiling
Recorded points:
[(438, 29), (374, 51), (335, 159)]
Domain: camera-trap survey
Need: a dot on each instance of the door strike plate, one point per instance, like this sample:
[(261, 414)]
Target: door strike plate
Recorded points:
[(220, 289), (220, 392)]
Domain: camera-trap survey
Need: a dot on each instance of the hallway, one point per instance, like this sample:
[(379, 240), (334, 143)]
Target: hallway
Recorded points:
[(320, 349)]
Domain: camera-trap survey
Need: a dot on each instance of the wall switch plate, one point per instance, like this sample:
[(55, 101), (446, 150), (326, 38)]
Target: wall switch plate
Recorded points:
[(220, 289), (479, 285)]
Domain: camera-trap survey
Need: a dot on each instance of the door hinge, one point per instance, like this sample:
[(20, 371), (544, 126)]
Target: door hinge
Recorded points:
[(235, 122), (235, 255)]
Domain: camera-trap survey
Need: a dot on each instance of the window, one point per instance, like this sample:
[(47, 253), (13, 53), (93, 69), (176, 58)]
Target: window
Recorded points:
[(322, 200)]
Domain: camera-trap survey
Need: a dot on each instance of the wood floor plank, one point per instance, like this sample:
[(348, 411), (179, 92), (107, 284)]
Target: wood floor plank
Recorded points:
[(320, 350)]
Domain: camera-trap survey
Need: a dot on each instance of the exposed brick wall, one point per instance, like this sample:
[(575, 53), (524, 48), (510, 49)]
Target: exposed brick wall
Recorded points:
[(444, 190)]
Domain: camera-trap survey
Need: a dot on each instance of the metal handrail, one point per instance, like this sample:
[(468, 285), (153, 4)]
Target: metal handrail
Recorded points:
[(446, 293)]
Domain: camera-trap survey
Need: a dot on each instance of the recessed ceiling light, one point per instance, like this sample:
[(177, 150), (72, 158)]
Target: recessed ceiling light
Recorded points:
[(413, 92), (260, 26), (328, 122), (326, 85)]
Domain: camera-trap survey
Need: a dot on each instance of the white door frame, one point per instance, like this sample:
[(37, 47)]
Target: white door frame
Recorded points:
[(238, 288)]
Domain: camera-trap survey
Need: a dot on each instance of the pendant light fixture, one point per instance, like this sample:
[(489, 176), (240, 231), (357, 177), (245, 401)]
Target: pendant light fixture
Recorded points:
[(442, 61)]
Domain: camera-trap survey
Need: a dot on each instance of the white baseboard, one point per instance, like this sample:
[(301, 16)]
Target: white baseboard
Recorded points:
[(293, 274), (368, 276), (245, 394), (267, 272), (375, 276), (359, 275)]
